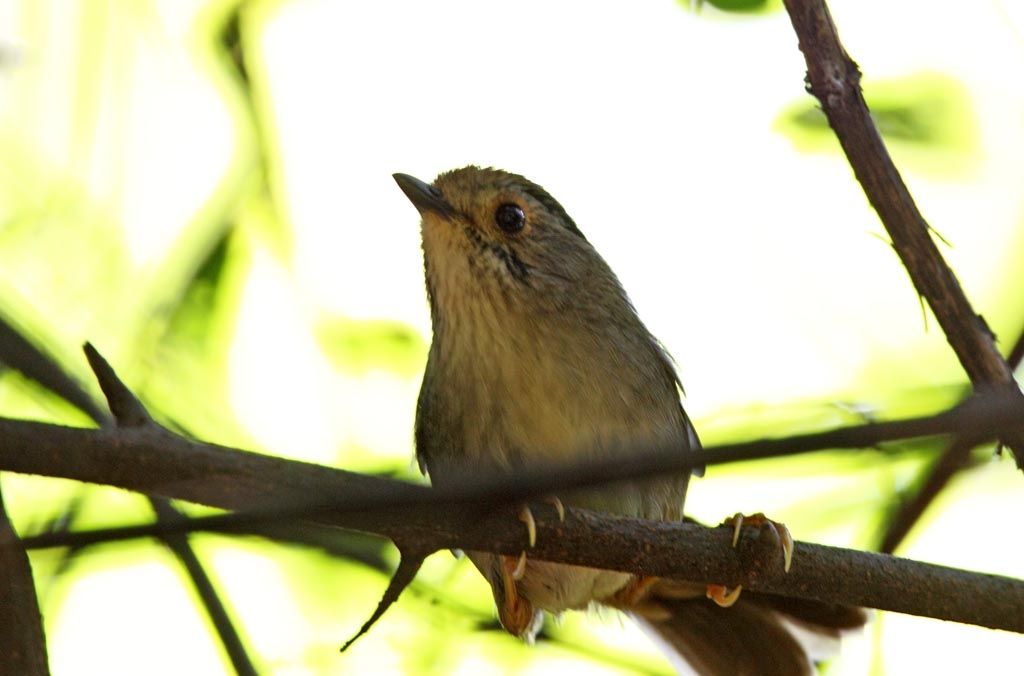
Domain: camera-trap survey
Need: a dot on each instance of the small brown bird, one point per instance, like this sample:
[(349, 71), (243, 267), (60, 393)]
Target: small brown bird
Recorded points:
[(538, 354)]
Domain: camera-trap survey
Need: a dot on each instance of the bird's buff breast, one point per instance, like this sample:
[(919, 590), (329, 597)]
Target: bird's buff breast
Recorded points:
[(553, 406)]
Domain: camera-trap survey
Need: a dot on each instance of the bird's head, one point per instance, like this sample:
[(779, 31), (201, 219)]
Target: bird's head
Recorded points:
[(497, 245)]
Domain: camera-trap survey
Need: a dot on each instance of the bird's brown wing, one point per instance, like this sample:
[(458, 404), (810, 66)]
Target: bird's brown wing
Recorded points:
[(437, 432), (668, 366)]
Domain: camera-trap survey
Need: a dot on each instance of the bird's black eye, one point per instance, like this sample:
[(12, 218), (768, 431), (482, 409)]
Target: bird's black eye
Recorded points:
[(510, 218)]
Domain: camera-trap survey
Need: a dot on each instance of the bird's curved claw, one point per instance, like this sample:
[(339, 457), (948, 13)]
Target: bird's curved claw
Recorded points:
[(557, 504), (515, 567), (526, 516), (722, 595), (726, 597), (759, 519), (518, 569), (516, 614)]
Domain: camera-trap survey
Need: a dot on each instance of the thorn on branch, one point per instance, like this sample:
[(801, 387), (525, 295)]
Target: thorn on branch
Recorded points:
[(408, 565), (127, 410)]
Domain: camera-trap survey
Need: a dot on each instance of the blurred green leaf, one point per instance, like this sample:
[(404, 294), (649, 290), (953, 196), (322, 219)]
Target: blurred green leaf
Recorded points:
[(735, 6), (357, 346), (188, 343), (927, 117)]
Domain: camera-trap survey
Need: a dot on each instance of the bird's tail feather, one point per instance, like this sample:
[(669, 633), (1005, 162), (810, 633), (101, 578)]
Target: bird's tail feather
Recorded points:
[(760, 635)]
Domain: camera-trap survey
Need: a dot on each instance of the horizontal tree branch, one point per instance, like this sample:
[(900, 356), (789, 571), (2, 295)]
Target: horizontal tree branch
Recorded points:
[(480, 514), (153, 459), (683, 551)]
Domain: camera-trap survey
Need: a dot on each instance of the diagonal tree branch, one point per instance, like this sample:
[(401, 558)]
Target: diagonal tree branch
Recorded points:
[(21, 354), (129, 412), (21, 626), (834, 79), (954, 458)]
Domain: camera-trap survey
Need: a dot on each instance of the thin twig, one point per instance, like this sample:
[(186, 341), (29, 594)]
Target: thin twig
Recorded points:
[(1016, 355), (408, 565), (939, 473), (152, 459), (20, 353), (128, 413), (178, 544), (953, 458)]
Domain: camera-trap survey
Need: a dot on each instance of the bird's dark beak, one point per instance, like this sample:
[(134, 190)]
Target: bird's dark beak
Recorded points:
[(423, 196)]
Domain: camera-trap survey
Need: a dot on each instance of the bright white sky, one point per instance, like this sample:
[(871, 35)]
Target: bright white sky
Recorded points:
[(654, 128)]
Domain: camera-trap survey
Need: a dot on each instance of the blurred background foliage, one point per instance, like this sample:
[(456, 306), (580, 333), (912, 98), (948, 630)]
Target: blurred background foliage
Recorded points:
[(202, 189)]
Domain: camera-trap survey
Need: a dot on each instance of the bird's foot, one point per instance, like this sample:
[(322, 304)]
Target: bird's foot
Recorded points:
[(526, 516), (724, 596), (517, 615), (737, 521)]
